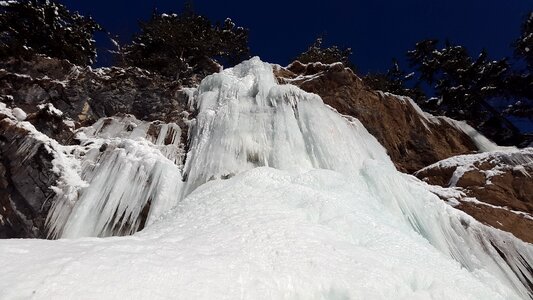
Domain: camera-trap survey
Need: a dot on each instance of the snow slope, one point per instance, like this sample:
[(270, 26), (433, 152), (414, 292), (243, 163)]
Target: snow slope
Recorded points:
[(282, 198)]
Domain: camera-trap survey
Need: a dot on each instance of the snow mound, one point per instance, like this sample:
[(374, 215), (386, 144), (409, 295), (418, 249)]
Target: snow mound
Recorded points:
[(263, 234)]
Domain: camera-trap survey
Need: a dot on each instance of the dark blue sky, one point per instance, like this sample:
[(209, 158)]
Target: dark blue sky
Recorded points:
[(377, 30)]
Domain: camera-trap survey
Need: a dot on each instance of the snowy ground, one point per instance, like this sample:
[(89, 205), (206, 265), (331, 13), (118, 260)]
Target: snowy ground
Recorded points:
[(313, 209)]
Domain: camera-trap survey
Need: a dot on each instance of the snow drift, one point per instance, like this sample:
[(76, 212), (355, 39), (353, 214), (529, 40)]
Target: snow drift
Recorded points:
[(281, 197)]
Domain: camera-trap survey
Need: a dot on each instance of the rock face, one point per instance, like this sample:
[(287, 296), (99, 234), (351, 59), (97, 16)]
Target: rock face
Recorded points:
[(496, 188), (412, 139), (85, 95), (26, 175)]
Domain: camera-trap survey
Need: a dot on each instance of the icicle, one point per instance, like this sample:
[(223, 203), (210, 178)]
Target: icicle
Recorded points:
[(128, 185), (476, 246), (132, 171)]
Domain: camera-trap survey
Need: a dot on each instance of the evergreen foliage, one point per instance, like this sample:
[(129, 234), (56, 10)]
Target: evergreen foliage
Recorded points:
[(395, 81), (459, 81), (185, 44), (46, 27), (329, 55)]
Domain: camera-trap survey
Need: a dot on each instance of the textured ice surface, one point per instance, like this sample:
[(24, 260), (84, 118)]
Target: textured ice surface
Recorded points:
[(282, 198), (245, 120)]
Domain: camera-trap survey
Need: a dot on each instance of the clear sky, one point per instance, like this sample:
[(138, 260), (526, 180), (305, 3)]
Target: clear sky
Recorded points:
[(377, 30)]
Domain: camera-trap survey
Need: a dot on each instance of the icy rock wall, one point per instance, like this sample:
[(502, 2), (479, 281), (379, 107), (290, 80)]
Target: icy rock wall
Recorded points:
[(165, 136)]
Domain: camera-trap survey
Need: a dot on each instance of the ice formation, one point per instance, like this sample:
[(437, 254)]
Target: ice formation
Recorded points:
[(131, 170), (281, 197)]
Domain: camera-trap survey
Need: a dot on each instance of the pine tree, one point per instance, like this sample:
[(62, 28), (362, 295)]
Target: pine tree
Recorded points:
[(46, 27), (467, 88), (317, 53), (186, 44), (394, 81), (519, 85)]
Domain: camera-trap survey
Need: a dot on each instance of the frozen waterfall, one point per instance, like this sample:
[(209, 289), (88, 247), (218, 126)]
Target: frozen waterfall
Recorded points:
[(272, 176), (246, 120)]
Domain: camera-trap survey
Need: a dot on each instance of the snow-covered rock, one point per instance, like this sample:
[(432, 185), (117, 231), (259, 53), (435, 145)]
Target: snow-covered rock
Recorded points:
[(496, 187), (26, 174), (19, 114)]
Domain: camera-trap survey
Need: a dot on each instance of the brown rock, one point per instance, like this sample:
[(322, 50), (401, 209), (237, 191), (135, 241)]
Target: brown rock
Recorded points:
[(502, 219), (472, 179)]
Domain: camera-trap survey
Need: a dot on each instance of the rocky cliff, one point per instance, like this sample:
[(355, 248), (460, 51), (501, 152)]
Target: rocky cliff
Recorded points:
[(62, 100)]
